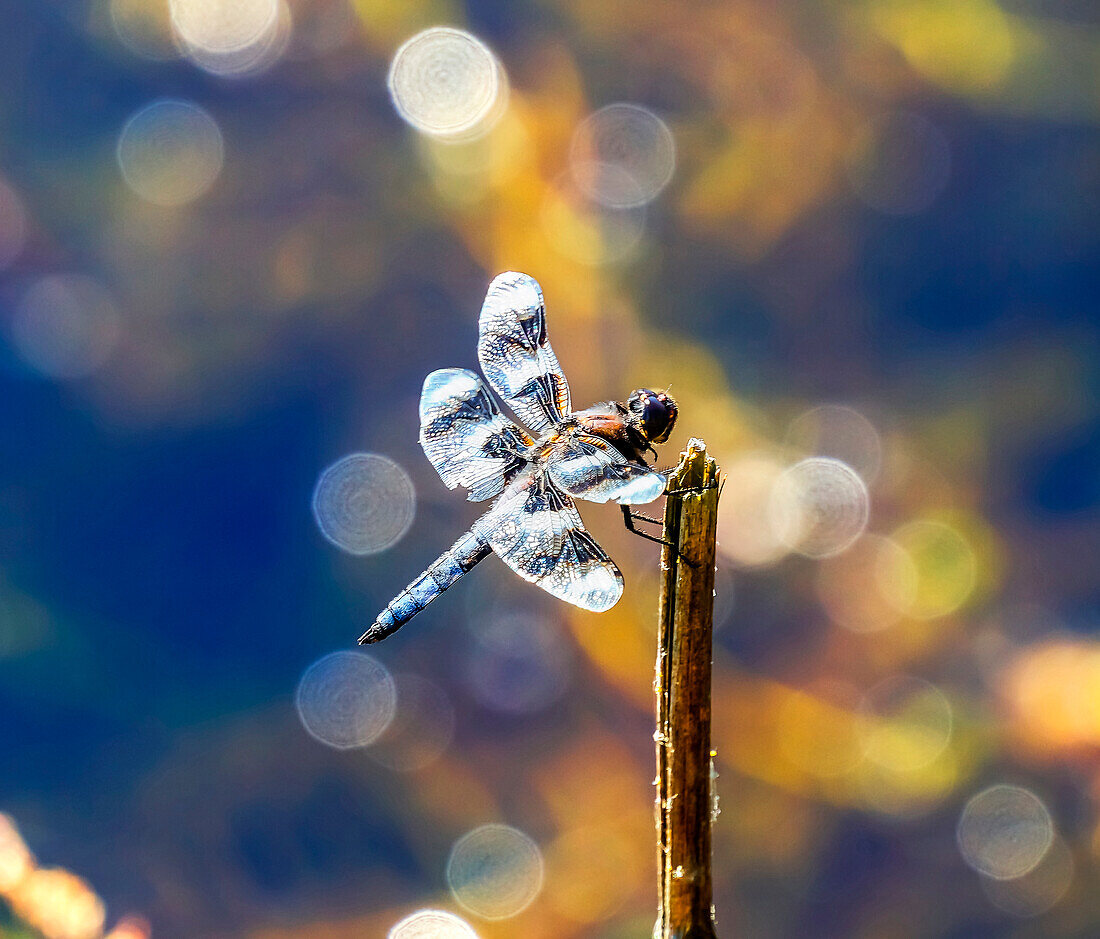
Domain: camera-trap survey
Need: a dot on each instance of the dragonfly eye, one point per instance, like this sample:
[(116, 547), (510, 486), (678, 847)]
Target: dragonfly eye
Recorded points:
[(657, 412)]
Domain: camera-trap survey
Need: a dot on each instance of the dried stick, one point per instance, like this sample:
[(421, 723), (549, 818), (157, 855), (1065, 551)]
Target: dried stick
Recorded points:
[(682, 685)]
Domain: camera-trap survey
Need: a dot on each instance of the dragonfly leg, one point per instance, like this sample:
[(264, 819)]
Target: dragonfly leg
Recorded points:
[(630, 517)]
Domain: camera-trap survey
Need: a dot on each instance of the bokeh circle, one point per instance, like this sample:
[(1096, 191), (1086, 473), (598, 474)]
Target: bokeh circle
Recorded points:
[(364, 503), (346, 699)]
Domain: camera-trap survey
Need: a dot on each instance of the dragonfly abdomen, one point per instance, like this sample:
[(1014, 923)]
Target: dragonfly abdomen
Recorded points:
[(449, 567)]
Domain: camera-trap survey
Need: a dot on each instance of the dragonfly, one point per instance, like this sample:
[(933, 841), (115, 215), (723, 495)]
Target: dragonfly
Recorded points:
[(532, 472)]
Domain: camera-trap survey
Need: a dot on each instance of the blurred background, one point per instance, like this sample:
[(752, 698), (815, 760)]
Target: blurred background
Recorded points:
[(857, 239)]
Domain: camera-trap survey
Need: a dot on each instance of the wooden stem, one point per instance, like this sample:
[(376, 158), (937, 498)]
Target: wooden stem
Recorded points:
[(684, 628)]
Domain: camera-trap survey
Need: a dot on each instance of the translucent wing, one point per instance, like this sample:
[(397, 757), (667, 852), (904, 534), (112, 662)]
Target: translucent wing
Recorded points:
[(537, 531), (592, 469), (465, 436), (515, 354)]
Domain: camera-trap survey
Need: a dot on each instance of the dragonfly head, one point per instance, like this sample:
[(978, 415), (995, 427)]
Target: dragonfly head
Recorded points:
[(655, 413)]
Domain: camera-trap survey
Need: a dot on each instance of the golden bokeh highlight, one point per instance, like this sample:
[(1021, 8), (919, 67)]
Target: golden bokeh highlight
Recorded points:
[(824, 742), (465, 172), (16, 860), (585, 232), (907, 723), (59, 904), (865, 588), (820, 730), (967, 46), (591, 873), (1052, 693), (904, 793), (803, 741), (945, 565)]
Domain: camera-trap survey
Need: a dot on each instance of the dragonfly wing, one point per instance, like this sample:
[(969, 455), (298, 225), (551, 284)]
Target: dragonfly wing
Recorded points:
[(469, 442), (592, 469), (515, 354), (537, 531)]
